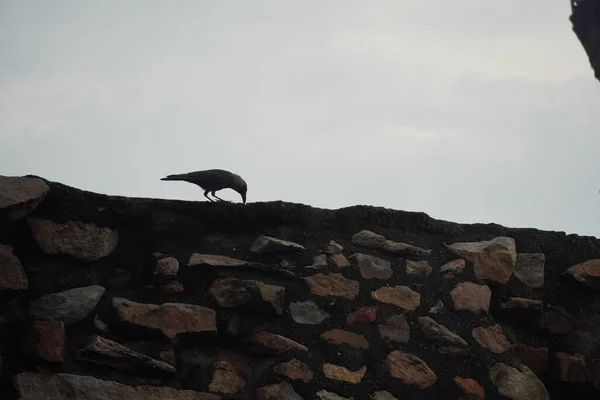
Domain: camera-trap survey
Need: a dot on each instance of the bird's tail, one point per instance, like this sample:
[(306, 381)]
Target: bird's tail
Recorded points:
[(175, 177)]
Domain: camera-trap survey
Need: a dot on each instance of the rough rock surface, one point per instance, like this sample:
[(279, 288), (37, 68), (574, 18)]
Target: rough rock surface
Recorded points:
[(400, 296), (530, 268), (12, 274), (32, 386), (267, 244), (169, 318), (517, 383), (70, 305), (20, 195), (308, 312), (248, 294), (372, 240), (586, 273), (373, 267), (86, 242), (492, 259)]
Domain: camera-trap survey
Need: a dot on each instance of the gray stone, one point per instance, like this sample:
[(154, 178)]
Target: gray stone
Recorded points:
[(34, 386), (70, 305), (395, 329), (383, 395), (106, 352), (439, 333), (372, 240), (308, 313), (267, 244), (530, 269), (517, 384), (438, 308), (373, 267), (20, 195), (86, 242), (214, 260), (327, 395), (168, 266)]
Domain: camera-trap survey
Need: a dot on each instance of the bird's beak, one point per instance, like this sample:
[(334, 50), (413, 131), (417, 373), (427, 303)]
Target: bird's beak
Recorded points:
[(244, 198)]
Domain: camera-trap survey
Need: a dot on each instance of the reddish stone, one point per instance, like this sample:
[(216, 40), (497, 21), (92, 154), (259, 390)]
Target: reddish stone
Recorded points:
[(340, 373), (332, 285), (44, 338), (492, 338), (470, 387), (471, 296), (295, 370), (339, 261), (338, 337), (266, 343), (400, 296), (365, 314), (535, 358), (172, 287), (410, 369)]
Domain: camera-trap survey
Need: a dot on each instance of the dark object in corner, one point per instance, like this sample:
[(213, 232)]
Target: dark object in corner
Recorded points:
[(213, 180), (585, 17)]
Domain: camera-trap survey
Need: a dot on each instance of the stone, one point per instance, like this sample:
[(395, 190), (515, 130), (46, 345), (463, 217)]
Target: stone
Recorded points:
[(278, 391), (383, 395), (272, 344), (372, 267), (333, 247), (340, 373), (214, 260), (410, 369), (557, 320), (572, 368), (514, 303), (530, 268), (365, 314), (295, 370), (83, 241), (586, 273), (471, 296), (69, 306), (12, 274), (339, 337), (493, 260), (492, 338), (100, 325), (339, 261), (534, 358), (395, 329), (517, 383), (439, 333), (332, 285), (268, 244), (226, 379), (470, 387), (249, 295), (319, 261), (36, 386), (399, 296), (307, 313), (326, 395), (44, 339), (172, 287), (171, 319), (372, 240), (438, 308), (19, 196), (105, 352), (167, 267), (453, 268), (418, 268)]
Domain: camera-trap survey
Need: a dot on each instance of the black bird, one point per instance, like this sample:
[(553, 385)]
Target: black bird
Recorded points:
[(213, 180)]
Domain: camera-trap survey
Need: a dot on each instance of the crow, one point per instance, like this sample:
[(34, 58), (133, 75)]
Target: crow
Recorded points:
[(213, 180)]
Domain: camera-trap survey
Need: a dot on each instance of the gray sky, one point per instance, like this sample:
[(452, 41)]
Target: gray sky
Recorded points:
[(468, 110)]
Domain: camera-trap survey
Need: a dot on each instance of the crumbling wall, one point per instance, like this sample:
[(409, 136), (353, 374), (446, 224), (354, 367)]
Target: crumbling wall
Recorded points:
[(110, 297)]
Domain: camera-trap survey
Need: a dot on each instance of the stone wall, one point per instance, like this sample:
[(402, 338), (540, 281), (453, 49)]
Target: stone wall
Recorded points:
[(110, 297)]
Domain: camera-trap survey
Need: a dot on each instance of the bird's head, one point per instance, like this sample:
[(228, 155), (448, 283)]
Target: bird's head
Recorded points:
[(239, 185)]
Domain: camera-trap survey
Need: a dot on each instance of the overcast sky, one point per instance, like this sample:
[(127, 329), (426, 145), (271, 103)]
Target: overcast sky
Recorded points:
[(468, 110)]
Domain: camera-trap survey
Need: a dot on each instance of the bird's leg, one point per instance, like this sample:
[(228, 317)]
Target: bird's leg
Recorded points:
[(214, 195), (206, 195)]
